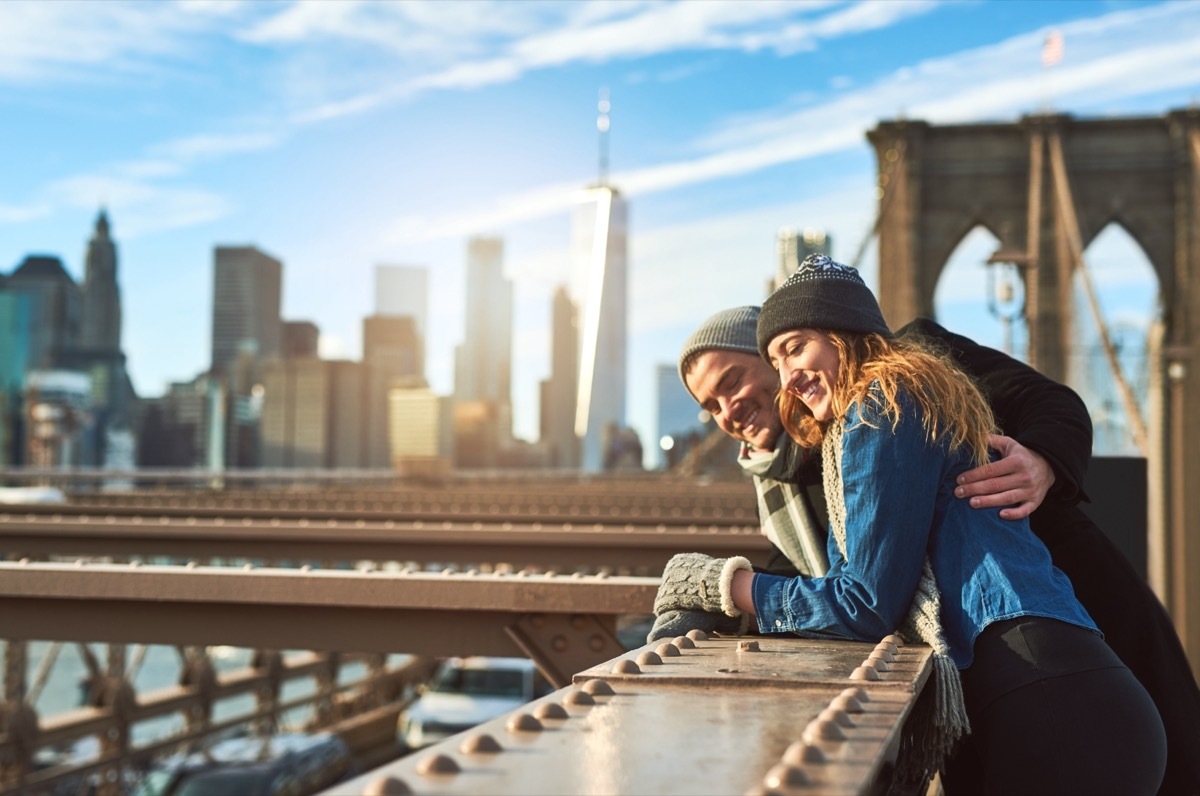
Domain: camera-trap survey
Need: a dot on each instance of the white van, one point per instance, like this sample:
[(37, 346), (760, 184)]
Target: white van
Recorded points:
[(465, 692)]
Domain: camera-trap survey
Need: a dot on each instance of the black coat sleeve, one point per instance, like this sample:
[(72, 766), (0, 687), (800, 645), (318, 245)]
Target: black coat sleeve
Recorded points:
[(1036, 411)]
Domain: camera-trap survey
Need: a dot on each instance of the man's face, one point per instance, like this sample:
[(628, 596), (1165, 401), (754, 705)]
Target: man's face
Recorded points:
[(738, 390)]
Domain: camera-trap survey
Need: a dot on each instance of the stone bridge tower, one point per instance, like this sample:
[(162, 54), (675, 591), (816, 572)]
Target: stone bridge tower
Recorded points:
[(1045, 187)]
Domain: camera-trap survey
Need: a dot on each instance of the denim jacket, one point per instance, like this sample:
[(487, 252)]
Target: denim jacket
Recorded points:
[(900, 506)]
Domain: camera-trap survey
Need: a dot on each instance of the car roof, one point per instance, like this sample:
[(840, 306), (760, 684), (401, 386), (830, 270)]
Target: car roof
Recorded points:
[(483, 662)]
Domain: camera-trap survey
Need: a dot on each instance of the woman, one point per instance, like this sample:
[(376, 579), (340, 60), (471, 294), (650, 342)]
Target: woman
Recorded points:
[(1018, 663)]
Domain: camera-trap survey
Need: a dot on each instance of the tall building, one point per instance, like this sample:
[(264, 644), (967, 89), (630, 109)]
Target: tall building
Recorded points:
[(598, 254), (403, 290), (15, 336), (484, 367), (59, 326), (247, 288), (483, 363), (392, 350), (60, 432), (792, 246), (101, 317), (420, 430), (558, 394), (54, 306), (311, 414), (300, 339), (679, 423)]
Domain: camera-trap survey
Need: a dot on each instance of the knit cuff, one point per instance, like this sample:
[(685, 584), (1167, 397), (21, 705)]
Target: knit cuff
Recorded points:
[(732, 565)]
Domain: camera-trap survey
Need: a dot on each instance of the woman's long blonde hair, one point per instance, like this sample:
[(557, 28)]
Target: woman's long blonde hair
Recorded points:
[(953, 408)]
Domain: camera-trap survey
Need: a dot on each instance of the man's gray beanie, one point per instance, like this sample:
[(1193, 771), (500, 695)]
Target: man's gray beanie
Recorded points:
[(729, 330)]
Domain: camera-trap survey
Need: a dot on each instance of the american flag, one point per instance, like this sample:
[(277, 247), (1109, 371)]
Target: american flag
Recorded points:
[(1052, 50)]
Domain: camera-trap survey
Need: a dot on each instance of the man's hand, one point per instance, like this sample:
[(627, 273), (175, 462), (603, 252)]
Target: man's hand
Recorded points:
[(1019, 480)]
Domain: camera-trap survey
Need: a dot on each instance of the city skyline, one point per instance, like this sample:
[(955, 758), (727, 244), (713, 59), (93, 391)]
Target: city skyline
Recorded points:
[(747, 118)]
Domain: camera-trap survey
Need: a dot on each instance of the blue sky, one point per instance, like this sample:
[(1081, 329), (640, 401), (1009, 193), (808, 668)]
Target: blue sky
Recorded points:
[(340, 135)]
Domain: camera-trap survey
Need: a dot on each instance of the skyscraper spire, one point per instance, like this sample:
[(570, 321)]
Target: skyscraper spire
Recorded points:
[(602, 125)]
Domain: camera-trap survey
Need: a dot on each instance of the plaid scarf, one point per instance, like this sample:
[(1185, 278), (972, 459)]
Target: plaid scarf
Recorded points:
[(787, 513)]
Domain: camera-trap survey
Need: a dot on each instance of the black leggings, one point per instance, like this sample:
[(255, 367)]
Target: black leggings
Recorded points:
[(1053, 710)]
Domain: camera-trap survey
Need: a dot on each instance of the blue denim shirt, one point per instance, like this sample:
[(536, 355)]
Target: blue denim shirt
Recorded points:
[(900, 506)]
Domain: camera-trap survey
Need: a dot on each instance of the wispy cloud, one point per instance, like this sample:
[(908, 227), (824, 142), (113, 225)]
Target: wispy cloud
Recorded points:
[(1123, 55), (145, 207), (65, 40), (626, 31), (13, 214)]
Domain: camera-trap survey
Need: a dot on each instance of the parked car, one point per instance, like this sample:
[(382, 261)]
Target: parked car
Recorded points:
[(277, 765), (465, 692)]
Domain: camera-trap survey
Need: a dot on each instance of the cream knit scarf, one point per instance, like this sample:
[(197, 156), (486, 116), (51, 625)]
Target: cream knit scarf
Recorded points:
[(933, 727)]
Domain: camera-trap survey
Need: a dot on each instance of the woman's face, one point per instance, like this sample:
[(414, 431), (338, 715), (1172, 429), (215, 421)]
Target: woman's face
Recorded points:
[(808, 363)]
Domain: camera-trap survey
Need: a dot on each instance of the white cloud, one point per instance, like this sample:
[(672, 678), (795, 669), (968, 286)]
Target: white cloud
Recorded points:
[(144, 208), (14, 214), (64, 40), (624, 31), (204, 147), (1125, 54)]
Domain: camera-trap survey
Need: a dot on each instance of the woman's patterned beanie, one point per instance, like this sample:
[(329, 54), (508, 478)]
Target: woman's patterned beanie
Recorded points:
[(824, 295)]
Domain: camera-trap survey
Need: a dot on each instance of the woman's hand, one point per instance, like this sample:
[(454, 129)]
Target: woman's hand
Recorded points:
[(1019, 480)]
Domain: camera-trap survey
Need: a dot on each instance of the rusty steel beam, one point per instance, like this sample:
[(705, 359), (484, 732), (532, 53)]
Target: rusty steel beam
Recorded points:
[(695, 715), (687, 508), (418, 613), (541, 544)]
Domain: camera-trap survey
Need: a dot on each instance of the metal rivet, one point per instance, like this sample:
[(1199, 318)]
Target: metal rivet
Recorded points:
[(649, 658), (386, 786), (523, 722), (748, 646), (437, 764), (626, 666), (883, 653), (697, 635), (894, 639), (839, 717), (580, 697), (480, 744), (597, 643), (864, 673), (783, 777), (598, 688), (878, 664), (550, 710), (846, 703), (668, 650), (799, 753), (889, 647), (684, 643), (559, 643), (823, 729), (856, 693)]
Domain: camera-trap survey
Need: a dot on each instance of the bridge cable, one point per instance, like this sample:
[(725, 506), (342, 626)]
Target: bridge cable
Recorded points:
[(1069, 225)]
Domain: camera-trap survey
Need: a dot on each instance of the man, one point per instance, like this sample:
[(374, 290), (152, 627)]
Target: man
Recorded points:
[(1039, 475)]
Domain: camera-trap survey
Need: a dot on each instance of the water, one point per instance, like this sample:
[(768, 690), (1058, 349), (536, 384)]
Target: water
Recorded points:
[(161, 668)]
